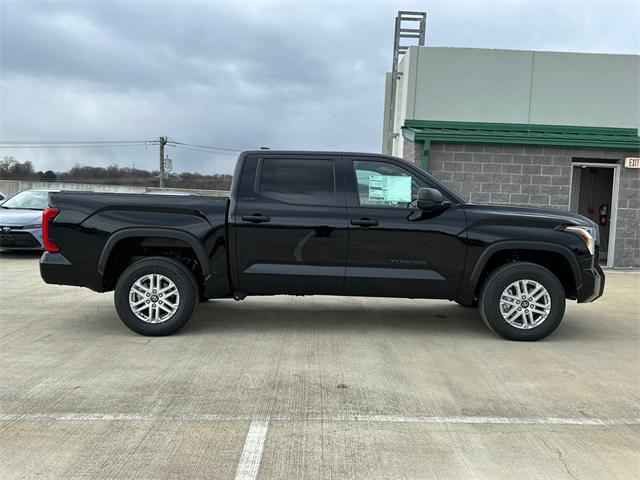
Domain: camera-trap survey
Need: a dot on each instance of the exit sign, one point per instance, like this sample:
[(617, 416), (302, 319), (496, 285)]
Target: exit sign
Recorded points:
[(632, 162)]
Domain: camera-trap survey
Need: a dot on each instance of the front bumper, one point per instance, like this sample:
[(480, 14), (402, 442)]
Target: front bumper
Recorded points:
[(18, 238), (592, 286)]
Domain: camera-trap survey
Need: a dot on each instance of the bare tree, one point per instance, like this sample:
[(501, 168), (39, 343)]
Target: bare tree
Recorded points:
[(11, 169)]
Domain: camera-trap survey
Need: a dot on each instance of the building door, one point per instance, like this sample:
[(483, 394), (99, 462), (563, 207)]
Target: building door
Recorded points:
[(594, 195)]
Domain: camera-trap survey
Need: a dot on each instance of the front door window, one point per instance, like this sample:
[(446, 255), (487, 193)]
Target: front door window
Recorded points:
[(382, 184)]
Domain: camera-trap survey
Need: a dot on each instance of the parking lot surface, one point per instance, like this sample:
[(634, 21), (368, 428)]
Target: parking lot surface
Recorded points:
[(313, 387)]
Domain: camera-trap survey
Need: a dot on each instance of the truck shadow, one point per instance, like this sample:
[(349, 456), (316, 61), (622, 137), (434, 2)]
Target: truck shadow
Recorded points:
[(440, 318), (437, 317), (431, 319)]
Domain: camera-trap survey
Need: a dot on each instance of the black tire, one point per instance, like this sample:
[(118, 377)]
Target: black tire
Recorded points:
[(175, 271), (501, 278)]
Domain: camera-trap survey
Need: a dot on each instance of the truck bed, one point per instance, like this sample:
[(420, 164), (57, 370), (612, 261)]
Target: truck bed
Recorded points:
[(91, 226)]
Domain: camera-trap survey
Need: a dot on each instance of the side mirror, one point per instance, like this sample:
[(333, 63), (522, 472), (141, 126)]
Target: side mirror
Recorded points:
[(431, 199)]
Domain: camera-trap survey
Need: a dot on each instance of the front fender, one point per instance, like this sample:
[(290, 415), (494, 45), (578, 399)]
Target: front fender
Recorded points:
[(526, 245)]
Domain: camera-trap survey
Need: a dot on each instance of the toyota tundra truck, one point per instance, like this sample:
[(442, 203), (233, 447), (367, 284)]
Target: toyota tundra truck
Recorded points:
[(322, 223)]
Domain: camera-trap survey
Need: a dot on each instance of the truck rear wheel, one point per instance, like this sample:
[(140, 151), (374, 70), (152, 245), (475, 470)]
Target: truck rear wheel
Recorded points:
[(522, 301), (156, 296)]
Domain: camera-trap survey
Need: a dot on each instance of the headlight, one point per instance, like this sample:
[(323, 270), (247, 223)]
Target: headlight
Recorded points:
[(587, 235), (30, 227)]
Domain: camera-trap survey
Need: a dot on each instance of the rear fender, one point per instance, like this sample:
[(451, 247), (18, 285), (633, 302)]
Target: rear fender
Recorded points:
[(155, 232)]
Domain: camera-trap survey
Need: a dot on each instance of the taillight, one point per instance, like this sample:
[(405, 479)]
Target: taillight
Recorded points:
[(48, 215)]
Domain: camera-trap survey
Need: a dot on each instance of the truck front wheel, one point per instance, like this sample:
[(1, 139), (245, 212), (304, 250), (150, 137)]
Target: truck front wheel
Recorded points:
[(522, 301), (156, 296)]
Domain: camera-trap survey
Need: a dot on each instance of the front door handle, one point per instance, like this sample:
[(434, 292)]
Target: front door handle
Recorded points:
[(256, 218), (364, 222)]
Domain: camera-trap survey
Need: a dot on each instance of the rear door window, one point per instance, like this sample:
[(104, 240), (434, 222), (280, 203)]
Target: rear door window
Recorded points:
[(296, 181)]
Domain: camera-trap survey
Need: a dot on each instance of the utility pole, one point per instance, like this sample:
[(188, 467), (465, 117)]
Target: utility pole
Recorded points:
[(163, 142)]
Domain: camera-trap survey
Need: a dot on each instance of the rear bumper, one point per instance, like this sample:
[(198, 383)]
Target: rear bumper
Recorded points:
[(57, 270), (592, 285)]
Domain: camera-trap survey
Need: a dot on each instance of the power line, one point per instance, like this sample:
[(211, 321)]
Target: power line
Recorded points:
[(73, 142), (184, 147), (208, 147), (114, 143), (4, 146), (146, 179), (203, 150)]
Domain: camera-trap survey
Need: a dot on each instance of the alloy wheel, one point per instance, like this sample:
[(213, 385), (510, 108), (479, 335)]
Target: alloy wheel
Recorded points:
[(525, 304), (154, 298)]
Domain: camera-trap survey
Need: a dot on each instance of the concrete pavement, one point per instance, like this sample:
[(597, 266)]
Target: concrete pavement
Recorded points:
[(313, 387)]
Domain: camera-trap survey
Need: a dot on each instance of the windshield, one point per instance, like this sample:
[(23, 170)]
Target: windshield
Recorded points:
[(30, 199)]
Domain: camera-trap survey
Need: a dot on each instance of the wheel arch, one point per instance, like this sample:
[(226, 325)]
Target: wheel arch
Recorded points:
[(116, 240), (565, 266)]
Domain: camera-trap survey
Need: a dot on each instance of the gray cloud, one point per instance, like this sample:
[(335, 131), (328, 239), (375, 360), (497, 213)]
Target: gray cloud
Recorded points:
[(243, 74)]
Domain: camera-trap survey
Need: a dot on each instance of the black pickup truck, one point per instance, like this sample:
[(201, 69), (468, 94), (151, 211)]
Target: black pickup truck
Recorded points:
[(324, 223)]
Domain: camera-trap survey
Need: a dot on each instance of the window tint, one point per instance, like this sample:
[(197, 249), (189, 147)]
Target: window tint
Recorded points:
[(305, 182), (385, 184)]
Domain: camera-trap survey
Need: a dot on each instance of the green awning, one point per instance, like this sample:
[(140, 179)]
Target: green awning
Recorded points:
[(428, 131), (556, 135)]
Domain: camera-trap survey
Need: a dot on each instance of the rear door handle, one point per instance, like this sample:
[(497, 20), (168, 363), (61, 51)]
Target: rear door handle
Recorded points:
[(364, 222), (256, 218)]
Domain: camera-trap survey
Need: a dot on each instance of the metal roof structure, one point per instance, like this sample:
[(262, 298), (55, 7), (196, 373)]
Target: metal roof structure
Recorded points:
[(428, 131)]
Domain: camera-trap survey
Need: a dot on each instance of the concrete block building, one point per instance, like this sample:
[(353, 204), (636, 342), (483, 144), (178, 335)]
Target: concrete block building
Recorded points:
[(541, 129)]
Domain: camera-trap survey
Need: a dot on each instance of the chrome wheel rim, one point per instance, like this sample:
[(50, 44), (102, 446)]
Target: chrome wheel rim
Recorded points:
[(154, 298), (525, 304)]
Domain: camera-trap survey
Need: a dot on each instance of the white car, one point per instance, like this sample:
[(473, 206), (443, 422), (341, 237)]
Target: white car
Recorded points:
[(21, 220)]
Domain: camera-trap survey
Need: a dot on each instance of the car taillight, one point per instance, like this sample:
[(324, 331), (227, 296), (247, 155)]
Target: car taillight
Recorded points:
[(48, 215)]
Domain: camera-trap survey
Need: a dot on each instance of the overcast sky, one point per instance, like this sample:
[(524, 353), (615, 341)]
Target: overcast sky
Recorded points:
[(244, 74)]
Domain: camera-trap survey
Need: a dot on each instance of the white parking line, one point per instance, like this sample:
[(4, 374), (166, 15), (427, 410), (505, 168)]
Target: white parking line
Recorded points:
[(249, 463), (265, 419)]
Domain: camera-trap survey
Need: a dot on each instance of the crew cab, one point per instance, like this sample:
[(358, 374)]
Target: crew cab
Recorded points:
[(322, 223)]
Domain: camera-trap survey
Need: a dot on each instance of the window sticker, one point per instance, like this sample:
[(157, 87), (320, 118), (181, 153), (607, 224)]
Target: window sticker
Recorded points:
[(389, 188)]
